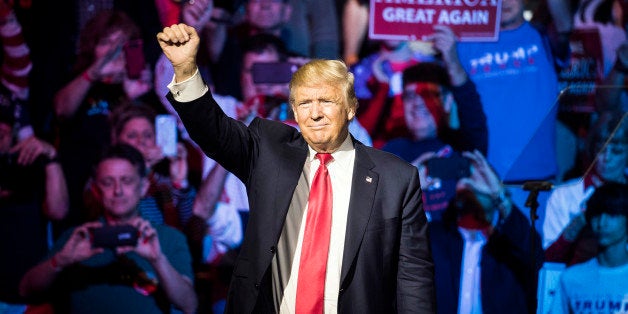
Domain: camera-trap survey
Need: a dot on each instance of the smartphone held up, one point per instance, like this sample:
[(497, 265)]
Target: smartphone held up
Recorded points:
[(135, 61), (273, 72), (113, 236), (449, 168), (166, 134)]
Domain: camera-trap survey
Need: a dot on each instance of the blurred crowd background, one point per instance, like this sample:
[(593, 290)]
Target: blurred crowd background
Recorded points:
[(544, 104)]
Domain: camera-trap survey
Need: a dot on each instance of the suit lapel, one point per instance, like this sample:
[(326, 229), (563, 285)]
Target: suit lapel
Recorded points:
[(285, 181), (364, 185)]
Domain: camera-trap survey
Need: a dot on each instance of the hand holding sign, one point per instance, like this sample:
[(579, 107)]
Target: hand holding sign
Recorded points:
[(444, 41), (470, 20)]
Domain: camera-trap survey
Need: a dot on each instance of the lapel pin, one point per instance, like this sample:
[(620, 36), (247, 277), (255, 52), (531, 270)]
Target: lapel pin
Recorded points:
[(369, 179)]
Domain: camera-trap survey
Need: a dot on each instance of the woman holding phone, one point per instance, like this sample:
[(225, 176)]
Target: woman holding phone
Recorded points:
[(170, 197), (100, 83)]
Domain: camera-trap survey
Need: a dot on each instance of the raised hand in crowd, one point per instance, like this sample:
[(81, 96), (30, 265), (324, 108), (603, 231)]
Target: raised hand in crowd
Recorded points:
[(444, 41), (31, 148)]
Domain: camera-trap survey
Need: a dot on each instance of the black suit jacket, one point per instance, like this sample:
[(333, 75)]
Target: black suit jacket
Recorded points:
[(387, 265), (508, 269)]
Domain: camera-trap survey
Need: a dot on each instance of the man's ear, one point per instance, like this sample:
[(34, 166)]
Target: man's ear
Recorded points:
[(350, 113), (294, 112), (287, 12)]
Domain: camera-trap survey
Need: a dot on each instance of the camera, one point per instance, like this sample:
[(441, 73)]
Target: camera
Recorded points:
[(114, 236), (448, 168)]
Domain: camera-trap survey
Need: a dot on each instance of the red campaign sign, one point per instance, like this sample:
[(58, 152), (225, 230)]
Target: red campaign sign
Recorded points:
[(471, 20)]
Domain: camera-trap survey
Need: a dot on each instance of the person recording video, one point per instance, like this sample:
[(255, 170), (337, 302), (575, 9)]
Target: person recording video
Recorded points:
[(267, 67), (116, 276), (266, 72), (482, 248), (444, 116)]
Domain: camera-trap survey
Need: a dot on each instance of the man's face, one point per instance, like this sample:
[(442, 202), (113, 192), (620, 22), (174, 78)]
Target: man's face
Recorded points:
[(512, 14), (267, 15), (609, 229), (139, 133), (251, 89), (323, 116), (612, 161), (6, 137), (419, 120), (119, 187)]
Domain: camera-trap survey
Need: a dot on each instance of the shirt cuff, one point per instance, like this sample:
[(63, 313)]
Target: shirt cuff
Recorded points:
[(188, 90)]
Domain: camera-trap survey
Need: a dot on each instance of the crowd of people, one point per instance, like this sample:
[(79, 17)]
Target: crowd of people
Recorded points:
[(431, 149)]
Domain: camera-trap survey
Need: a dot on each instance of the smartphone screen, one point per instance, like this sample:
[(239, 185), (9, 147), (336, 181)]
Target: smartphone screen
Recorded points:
[(273, 72), (134, 55), (166, 134), (114, 236), (454, 167)]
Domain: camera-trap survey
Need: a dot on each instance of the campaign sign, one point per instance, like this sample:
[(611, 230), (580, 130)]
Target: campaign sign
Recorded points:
[(581, 78), (471, 20)]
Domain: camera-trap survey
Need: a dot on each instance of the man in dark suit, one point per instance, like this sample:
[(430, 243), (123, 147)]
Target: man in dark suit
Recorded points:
[(378, 260)]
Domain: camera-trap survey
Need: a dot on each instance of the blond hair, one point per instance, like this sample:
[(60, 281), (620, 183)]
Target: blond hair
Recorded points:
[(329, 72)]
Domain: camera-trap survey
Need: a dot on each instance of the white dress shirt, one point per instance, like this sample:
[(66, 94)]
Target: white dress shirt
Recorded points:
[(341, 174)]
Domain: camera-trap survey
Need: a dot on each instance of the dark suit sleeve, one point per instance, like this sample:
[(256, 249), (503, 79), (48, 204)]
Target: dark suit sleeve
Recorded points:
[(222, 138), (415, 277), (473, 133), (510, 244)]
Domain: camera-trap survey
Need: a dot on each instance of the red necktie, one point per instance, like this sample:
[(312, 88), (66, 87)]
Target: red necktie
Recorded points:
[(313, 264)]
